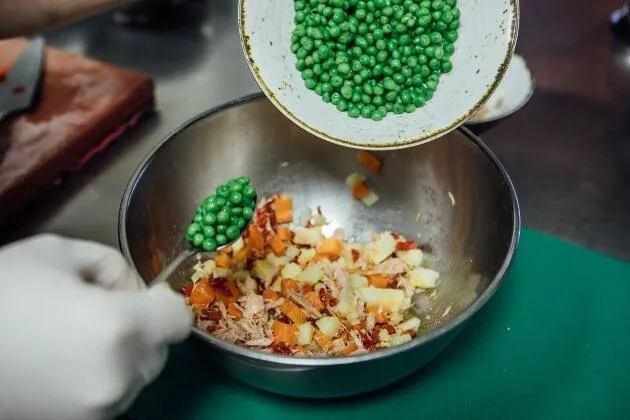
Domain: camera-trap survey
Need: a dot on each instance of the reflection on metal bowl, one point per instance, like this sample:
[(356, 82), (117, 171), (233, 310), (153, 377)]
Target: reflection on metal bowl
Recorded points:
[(451, 194)]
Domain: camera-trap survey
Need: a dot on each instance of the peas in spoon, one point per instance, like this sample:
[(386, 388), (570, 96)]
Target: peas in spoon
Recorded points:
[(219, 220)]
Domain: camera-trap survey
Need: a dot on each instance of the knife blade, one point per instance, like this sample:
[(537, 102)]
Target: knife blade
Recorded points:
[(21, 86)]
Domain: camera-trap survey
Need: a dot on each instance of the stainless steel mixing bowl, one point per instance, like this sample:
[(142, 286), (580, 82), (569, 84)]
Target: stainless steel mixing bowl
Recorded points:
[(452, 195)]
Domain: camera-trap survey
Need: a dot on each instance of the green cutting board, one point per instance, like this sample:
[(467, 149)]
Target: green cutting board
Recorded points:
[(553, 343)]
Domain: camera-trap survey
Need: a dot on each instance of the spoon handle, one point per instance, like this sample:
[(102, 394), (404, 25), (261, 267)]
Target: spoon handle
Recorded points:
[(177, 272)]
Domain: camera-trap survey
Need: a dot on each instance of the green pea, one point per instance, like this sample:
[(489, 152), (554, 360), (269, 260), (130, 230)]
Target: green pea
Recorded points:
[(221, 239), (449, 49), (236, 211), (220, 228), (209, 232), (197, 239), (447, 66), (209, 245), (354, 112), (236, 198), (235, 186), (209, 219), (367, 111), (247, 213), (249, 192), (198, 218), (451, 36), (223, 217), (232, 232), (223, 191), (192, 230), (212, 207)]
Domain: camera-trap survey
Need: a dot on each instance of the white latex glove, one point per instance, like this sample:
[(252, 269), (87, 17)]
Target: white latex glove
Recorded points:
[(80, 334)]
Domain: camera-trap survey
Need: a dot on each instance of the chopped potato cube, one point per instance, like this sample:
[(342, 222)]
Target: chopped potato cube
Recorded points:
[(308, 236), (238, 245), (381, 247), (400, 339), (306, 256), (388, 299), (311, 275), (329, 325), (423, 278), (412, 324), (358, 281), (412, 258), (354, 179), (264, 270), (370, 199), (291, 271), (278, 261), (305, 334)]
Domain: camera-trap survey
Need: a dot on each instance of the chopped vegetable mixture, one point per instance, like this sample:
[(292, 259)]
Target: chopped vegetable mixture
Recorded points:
[(294, 291), (370, 58)]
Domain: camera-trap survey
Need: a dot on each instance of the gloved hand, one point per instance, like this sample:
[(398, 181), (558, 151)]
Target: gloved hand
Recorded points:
[(80, 334)]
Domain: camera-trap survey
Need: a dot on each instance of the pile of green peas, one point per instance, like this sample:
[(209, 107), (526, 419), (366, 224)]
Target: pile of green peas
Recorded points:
[(373, 57), (221, 217)]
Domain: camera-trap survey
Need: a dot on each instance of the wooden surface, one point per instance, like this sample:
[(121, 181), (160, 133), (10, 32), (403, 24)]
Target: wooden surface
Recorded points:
[(568, 150)]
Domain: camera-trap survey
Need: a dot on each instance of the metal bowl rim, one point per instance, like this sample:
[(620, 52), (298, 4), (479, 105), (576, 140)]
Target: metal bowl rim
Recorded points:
[(312, 362)]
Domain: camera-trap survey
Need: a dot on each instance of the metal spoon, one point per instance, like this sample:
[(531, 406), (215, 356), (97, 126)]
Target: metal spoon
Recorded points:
[(176, 272)]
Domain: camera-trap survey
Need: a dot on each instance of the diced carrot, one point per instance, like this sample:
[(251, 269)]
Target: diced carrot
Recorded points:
[(293, 312), (278, 245), (222, 260), (288, 284), (307, 288), (283, 208), (202, 293), (242, 255), (234, 311), (319, 258), (323, 341), (379, 316), (225, 291), (406, 245), (271, 295), (349, 349), (380, 282), (197, 307), (255, 238), (360, 191), (284, 333), (371, 162), (284, 233), (313, 297), (330, 247)]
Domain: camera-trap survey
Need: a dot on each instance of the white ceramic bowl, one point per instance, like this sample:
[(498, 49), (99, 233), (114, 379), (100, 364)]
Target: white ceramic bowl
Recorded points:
[(487, 37), (514, 91)]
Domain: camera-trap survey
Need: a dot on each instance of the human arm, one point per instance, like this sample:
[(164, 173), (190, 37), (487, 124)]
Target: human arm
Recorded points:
[(22, 17)]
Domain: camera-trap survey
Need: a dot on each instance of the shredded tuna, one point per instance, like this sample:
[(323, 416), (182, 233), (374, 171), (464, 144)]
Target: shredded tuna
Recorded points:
[(389, 267), (292, 305)]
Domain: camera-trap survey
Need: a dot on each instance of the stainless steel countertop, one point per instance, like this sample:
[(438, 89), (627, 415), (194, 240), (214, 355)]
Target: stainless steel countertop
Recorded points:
[(198, 64)]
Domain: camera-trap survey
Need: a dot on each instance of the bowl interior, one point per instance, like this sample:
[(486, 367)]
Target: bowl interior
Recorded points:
[(487, 37), (449, 196)]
